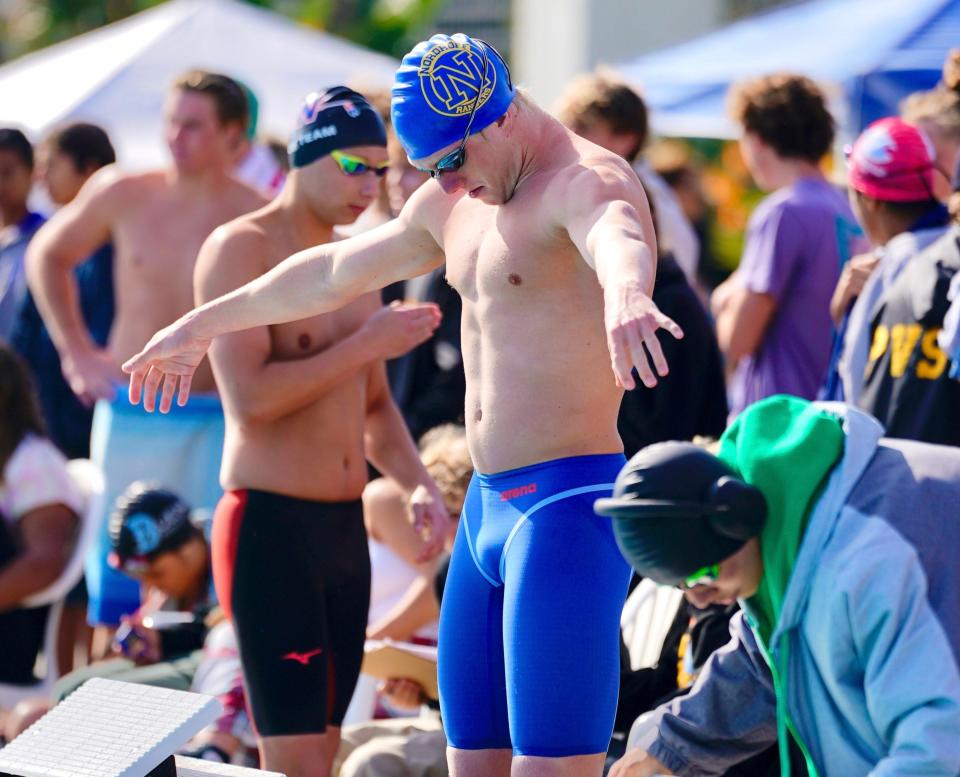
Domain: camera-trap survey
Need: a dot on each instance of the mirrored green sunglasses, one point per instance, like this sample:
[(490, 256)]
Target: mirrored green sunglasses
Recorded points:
[(705, 576), (357, 165)]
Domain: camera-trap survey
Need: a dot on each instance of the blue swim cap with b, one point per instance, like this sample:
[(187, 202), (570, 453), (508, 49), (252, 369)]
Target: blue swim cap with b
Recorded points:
[(436, 86)]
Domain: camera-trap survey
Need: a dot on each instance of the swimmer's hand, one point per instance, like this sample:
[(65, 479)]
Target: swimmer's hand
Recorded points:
[(171, 357), (399, 327), (91, 374), (638, 763), (430, 519), (632, 320)]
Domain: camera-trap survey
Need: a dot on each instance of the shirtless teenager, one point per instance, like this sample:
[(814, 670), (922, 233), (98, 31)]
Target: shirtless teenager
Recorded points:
[(157, 222), (548, 240), (306, 404)]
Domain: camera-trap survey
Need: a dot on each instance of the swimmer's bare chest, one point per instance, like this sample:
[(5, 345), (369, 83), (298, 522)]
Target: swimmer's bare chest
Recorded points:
[(315, 451), (307, 337), (492, 250), (157, 237), (156, 240), (302, 339), (534, 346)]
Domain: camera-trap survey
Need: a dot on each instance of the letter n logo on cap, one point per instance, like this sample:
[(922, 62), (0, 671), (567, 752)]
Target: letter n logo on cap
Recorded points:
[(450, 79)]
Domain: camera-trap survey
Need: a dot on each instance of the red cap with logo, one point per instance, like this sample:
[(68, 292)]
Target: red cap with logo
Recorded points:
[(892, 161)]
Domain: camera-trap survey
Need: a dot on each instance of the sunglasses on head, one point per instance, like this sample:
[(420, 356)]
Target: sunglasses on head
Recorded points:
[(448, 163), (357, 165), (706, 576)]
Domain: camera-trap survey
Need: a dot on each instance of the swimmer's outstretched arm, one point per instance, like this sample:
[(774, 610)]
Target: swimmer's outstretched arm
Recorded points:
[(305, 284), (607, 217)]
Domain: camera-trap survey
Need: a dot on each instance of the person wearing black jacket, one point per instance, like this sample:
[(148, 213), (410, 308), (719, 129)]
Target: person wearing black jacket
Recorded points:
[(692, 399), (908, 384), (427, 382)]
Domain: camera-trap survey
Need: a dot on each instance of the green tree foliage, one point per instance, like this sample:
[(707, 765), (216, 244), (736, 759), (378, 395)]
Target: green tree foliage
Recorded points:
[(33, 24), (389, 26)]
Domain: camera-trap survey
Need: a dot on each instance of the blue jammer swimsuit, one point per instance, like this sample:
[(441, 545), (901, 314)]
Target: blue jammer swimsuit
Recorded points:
[(530, 621)]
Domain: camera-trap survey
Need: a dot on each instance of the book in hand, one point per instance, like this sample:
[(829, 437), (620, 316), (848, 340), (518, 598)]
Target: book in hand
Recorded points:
[(386, 660)]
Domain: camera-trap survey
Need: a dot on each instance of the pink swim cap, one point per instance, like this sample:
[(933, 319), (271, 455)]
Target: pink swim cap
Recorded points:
[(892, 161)]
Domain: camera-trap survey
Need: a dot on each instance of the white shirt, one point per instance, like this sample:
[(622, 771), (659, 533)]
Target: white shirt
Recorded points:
[(390, 578), (36, 476)]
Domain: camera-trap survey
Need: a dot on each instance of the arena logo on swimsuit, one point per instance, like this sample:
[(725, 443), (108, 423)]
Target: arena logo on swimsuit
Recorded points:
[(514, 493), (450, 79)]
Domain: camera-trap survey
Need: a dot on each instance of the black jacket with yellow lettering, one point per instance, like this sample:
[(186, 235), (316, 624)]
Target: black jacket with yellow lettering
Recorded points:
[(907, 383)]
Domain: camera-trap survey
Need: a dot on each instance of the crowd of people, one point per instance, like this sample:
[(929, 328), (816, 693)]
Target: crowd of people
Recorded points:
[(384, 364)]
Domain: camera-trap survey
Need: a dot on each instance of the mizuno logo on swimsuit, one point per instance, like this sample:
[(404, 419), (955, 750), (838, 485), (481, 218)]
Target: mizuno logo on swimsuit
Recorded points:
[(302, 658), (513, 493)]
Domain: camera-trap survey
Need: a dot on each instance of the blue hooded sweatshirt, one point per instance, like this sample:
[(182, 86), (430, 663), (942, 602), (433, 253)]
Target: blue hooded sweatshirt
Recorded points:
[(870, 622)]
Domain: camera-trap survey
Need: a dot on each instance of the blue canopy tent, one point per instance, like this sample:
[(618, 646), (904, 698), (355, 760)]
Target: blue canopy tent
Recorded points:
[(869, 54)]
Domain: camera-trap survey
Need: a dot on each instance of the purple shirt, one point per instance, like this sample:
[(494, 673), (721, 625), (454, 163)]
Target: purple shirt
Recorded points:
[(797, 240)]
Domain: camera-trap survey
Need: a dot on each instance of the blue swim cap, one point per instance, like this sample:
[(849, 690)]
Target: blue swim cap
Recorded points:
[(434, 91)]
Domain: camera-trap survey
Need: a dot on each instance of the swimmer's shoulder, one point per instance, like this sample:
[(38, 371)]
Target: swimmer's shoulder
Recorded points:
[(111, 184), (234, 253), (246, 235), (430, 209), (110, 198), (429, 206), (594, 175), (592, 163)]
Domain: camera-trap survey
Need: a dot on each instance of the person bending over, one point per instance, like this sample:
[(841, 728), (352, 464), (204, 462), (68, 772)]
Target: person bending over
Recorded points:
[(840, 545)]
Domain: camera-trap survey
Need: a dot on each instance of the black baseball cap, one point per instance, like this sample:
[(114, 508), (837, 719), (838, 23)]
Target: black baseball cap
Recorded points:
[(147, 520), (677, 508)]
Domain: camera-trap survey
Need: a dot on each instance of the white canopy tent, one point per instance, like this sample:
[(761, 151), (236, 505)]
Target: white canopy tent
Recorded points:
[(117, 76)]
